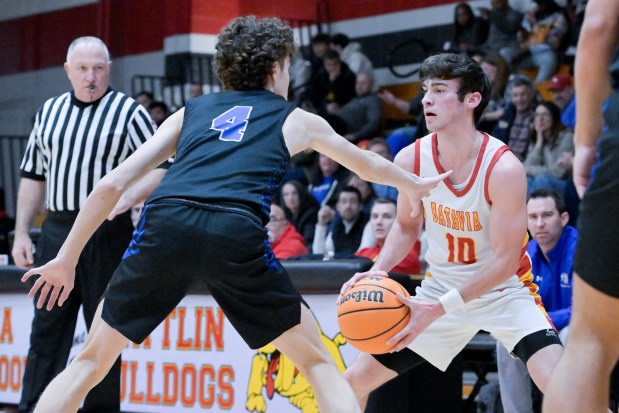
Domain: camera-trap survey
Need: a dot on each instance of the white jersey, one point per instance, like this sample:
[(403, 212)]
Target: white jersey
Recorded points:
[(457, 218)]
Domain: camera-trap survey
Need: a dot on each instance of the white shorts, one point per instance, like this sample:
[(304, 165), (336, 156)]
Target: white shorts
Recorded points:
[(509, 315)]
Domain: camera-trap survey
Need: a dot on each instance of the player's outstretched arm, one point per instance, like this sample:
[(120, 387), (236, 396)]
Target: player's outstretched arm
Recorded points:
[(305, 130), (57, 276), (595, 45)]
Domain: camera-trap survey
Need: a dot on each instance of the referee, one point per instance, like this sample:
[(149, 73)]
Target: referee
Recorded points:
[(77, 138)]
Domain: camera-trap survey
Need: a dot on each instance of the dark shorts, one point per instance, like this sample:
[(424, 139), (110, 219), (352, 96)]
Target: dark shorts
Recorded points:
[(597, 254), (181, 242)]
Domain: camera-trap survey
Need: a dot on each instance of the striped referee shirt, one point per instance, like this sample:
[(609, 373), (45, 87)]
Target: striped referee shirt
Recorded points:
[(74, 144)]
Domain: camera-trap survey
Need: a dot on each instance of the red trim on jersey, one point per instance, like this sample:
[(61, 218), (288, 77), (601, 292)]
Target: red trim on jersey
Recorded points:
[(417, 164), (494, 160), (440, 169)]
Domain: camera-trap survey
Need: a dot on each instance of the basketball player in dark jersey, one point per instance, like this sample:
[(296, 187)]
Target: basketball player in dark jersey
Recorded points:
[(580, 381), (205, 222)]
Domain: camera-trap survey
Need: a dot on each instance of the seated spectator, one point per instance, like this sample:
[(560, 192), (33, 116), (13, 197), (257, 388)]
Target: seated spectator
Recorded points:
[(561, 87), (285, 241), (549, 161), (300, 208), (158, 111), (382, 218), (365, 188), (403, 137), (328, 181), (503, 26), (469, 31), (497, 71), (334, 85), (360, 118), (320, 45), (144, 98), (514, 126), (552, 258), (379, 146), (339, 235), (546, 38), (351, 54)]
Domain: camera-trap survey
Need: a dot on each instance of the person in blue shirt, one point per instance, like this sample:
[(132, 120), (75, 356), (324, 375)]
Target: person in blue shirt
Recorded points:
[(552, 258)]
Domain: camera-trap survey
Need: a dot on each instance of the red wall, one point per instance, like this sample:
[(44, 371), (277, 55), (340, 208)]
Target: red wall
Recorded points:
[(137, 26)]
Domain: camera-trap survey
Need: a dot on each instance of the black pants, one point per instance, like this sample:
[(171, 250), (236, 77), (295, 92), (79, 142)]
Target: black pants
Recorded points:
[(52, 332)]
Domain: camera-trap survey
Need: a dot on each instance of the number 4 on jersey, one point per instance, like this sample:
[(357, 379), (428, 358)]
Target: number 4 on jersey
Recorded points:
[(232, 123)]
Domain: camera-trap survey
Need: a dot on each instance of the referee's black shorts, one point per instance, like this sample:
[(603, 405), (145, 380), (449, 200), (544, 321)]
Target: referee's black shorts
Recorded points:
[(178, 242), (597, 254)]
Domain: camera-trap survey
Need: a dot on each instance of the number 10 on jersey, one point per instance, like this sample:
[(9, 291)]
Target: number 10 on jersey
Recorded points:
[(461, 249)]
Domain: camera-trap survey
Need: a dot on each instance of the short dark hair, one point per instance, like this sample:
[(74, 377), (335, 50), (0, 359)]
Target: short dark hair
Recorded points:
[(149, 95), (331, 55), (350, 189), (246, 50), (384, 201), (321, 38), (457, 66), (158, 104), (340, 39), (550, 193)]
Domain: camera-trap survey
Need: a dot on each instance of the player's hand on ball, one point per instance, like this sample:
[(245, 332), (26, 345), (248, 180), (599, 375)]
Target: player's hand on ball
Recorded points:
[(56, 281), (422, 315), (358, 277)]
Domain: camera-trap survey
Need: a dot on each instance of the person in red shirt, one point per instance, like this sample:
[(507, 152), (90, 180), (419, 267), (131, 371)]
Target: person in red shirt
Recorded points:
[(285, 240), (382, 218)]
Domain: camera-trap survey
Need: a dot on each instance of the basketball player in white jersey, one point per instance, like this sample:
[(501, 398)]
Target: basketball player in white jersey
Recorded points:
[(479, 275)]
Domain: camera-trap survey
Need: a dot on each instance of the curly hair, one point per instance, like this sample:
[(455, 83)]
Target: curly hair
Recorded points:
[(452, 66), (246, 50)]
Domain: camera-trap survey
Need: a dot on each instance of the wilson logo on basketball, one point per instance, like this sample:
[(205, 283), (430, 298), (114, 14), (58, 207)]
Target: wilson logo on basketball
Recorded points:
[(373, 296)]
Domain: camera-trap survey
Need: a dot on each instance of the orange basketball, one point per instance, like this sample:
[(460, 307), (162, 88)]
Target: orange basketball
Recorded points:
[(370, 313)]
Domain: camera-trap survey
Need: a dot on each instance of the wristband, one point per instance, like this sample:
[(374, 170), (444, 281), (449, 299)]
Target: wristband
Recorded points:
[(451, 301)]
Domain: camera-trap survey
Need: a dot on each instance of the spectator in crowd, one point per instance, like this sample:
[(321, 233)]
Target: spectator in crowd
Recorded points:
[(121, 126), (360, 118), (403, 137), (365, 189), (497, 71), (6, 225), (561, 87), (301, 209), (549, 160), (351, 54), (304, 96), (144, 98), (285, 241), (515, 125), (469, 31), (503, 26), (547, 37), (335, 84), (339, 235), (158, 111), (380, 146), (382, 218), (329, 180), (552, 258)]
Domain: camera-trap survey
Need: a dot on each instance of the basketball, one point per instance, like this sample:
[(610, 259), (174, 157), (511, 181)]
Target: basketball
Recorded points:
[(370, 313)]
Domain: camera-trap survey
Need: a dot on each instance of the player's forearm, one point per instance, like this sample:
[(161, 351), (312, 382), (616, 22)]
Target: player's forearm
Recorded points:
[(94, 211), (488, 277), (592, 86)]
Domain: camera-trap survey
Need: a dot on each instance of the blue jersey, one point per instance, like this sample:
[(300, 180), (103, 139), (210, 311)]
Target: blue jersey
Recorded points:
[(231, 149), (554, 276)]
